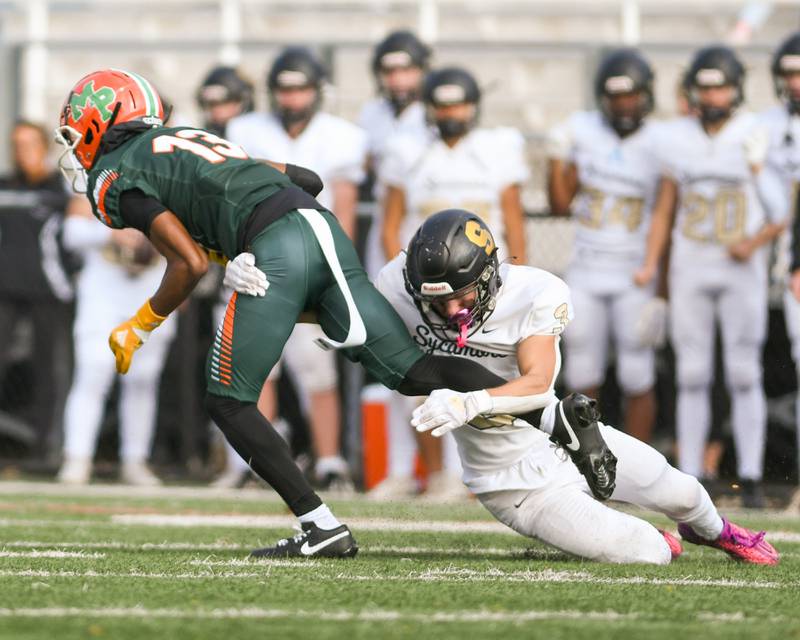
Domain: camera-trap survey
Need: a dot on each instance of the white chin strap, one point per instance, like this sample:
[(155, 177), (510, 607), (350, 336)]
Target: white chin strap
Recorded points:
[(68, 164)]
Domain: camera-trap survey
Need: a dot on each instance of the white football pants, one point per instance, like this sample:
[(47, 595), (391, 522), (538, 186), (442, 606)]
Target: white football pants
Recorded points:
[(106, 297), (563, 513)]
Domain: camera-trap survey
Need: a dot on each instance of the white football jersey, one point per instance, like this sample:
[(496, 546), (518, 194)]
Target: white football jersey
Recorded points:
[(378, 119), (718, 203), (782, 169), (529, 302), (618, 179), (469, 176), (332, 147)]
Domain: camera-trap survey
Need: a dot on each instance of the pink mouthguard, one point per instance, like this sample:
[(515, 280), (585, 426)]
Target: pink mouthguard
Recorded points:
[(464, 321)]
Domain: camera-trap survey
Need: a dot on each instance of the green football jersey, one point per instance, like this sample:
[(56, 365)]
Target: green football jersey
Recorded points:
[(209, 183)]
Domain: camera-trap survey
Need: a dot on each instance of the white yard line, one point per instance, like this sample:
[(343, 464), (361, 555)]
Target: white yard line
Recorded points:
[(129, 546), (374, 615), (50, 554), (377, 615), (274, 521), (432, 575), (14, 488)]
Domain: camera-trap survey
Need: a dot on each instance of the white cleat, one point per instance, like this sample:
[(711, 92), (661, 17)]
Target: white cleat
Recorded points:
[(75, 471), (138, 474), (393, 488)]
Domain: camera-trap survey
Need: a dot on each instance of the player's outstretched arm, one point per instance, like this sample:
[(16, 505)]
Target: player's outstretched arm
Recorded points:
[(186, 264), (446, 410)]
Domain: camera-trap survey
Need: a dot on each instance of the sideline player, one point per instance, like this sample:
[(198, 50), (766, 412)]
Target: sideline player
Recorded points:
[(399, 64), (713, 170), (450, 284), (457, 164), (602, 164), (191, 193), (118, 266), (783, 159)]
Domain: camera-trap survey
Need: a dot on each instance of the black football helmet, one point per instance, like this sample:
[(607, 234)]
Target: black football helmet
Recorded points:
[(624, 71), (224, 84), (450, 255), (399, 49), (714, 66), (785, 61), (296, 67), (451, 85)]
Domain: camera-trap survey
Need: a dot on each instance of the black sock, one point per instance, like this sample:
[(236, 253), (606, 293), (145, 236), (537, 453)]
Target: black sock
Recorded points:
[(256, 440)]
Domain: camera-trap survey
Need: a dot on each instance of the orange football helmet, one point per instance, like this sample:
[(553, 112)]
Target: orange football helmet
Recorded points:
[(97, 102)]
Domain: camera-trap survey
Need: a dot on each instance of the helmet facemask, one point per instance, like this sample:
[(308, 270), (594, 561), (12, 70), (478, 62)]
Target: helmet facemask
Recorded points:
[(465, 322), (788, 65), (68, 164), (625, 119)]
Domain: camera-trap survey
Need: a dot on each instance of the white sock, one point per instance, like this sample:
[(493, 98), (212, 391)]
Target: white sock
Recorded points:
[(322, 517)]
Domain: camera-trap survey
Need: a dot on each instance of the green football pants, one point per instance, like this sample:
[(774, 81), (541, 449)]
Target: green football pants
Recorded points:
[(310, 265)]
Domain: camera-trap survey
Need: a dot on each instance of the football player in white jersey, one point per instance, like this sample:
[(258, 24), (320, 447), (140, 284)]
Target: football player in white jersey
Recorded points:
[(456, 164), (713, 171), (224, 94), (399, 63), (451, 291), (297, 132), (603, 169), (118, 266), (783, 158)]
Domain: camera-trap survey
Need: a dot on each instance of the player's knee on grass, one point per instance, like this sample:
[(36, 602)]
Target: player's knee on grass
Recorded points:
[(572, 521)]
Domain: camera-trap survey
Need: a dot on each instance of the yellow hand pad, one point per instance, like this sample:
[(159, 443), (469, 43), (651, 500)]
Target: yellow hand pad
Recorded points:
[(132, 334)]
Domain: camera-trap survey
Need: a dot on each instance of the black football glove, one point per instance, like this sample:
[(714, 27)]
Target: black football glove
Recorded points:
[(577, 431)]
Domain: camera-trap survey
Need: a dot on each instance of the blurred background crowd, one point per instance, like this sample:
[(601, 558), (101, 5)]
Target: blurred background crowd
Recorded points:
[(353, 91)]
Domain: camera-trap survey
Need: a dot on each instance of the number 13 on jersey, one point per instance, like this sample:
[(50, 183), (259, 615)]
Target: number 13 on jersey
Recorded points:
[(200, 143)]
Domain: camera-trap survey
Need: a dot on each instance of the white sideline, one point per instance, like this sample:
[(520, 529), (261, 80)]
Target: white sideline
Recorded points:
[(267, 522), (50, 554), (431, 575), (377, 615), (286, 521)]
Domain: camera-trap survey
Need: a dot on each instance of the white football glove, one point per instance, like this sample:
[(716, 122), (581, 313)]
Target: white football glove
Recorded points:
[(242, 275), (651, 325), (755, 147), (445, 410), (558, 144)]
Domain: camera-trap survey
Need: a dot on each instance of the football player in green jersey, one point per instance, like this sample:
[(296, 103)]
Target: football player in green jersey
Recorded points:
[(192, 193)]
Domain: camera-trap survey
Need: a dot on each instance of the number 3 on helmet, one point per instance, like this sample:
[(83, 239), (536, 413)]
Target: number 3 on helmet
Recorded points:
[(96, 103)]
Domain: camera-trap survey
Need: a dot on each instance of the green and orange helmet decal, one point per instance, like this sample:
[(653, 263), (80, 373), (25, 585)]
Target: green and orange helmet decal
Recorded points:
[(102, 99)]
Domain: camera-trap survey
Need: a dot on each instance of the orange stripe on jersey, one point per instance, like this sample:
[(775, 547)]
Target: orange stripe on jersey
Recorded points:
[(230, 313), (226, 339), (106, 178)]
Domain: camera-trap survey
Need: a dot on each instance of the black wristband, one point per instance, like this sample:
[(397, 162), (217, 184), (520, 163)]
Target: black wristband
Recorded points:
[(304, 178)]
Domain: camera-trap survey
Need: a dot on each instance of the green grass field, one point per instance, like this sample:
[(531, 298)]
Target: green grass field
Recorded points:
[(109, 562)]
